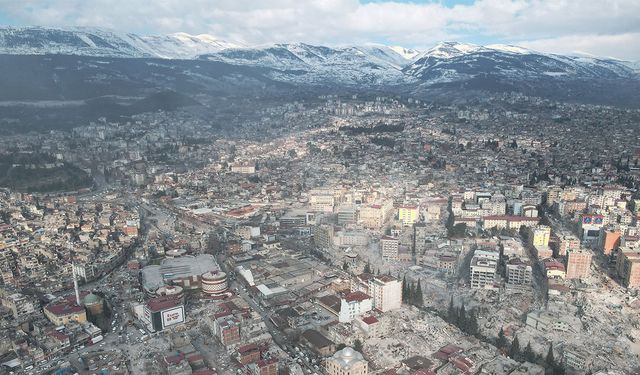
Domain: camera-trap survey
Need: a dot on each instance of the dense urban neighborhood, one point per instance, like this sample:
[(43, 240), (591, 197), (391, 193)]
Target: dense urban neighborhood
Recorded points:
[(338, 235)]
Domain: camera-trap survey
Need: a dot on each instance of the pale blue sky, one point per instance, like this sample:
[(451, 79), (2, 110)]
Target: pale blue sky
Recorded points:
[(598, 27)]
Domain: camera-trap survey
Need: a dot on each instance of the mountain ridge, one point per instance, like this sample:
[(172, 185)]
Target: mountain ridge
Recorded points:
[(451, 67)]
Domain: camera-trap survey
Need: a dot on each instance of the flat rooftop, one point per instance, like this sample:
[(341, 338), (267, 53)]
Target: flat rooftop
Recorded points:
[(156, 276)]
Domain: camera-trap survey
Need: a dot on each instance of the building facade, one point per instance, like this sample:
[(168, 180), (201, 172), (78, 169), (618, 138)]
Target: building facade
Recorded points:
[(347, 362), (386, 292), (578, 264), (389, 247), (628, 267)]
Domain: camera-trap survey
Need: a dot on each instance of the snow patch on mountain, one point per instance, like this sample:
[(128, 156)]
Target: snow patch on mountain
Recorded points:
[(407, 53), (83, 41), (447, 50), (299, 62), (510, 49), (185, 46)]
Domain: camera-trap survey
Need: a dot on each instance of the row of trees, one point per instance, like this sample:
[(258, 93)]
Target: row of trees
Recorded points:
[(515, 352), (412, 293), (466, 321)]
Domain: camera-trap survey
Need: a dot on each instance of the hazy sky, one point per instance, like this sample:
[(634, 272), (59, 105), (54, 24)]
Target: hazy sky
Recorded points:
[(604, 28)]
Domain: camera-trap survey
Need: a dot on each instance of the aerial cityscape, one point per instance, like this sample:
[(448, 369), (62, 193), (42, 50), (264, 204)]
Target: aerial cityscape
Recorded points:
[(302, 204)]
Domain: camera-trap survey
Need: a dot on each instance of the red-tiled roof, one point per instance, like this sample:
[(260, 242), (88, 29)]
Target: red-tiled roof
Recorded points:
[(385, 278), (173, 359), (162, 303), (510, 218), (266, 362), (59, 336), (461, 363), (447, 351), (61, 309), (553, 265), (356, 296), (370, 320)]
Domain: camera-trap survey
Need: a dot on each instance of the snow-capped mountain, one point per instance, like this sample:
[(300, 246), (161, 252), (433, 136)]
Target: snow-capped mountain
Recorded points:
[(448, 50), (318, 64), (406, 53), (456, 62), (181, 45), (203, 63), (76, 41), (299, 62), (106, 43)]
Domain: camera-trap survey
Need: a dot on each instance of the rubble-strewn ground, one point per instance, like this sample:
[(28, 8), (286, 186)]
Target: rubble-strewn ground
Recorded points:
[(408, 332)]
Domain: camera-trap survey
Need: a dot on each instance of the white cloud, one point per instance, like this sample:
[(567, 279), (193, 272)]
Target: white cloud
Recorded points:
[(592, 26), (621, 46)]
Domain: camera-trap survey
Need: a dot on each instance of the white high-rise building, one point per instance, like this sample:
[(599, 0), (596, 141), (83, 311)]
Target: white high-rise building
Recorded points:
[(389, 247), (386, 292), (353, 305), (483, 269)]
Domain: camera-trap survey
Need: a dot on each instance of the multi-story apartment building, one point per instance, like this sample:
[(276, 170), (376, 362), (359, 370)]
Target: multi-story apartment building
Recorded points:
[(540, 235), (519, 272), (354, 304), (322, 200), (389, 247), (264, 367), (375, 215), (578, 264), (323, 236), (19, 305), (483, 269), (386, 292), (628, 267), (244, 168), (408, 214)]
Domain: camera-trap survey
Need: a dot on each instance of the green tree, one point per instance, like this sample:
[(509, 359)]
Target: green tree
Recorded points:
[(457, 231), (345, 266), (528, 354), (462, 317), (357, 345), (451, 312), (501, 342), (418, 299), (514, 351), (412, 293), (472, 324), (367, 268), (550, 360), (405, 291)]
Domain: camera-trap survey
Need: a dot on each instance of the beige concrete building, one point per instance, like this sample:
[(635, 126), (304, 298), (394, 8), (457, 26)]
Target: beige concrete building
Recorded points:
[(375, 215), (347, 362), (65, 312), (386, 292), (628, 267), (578, 264)]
